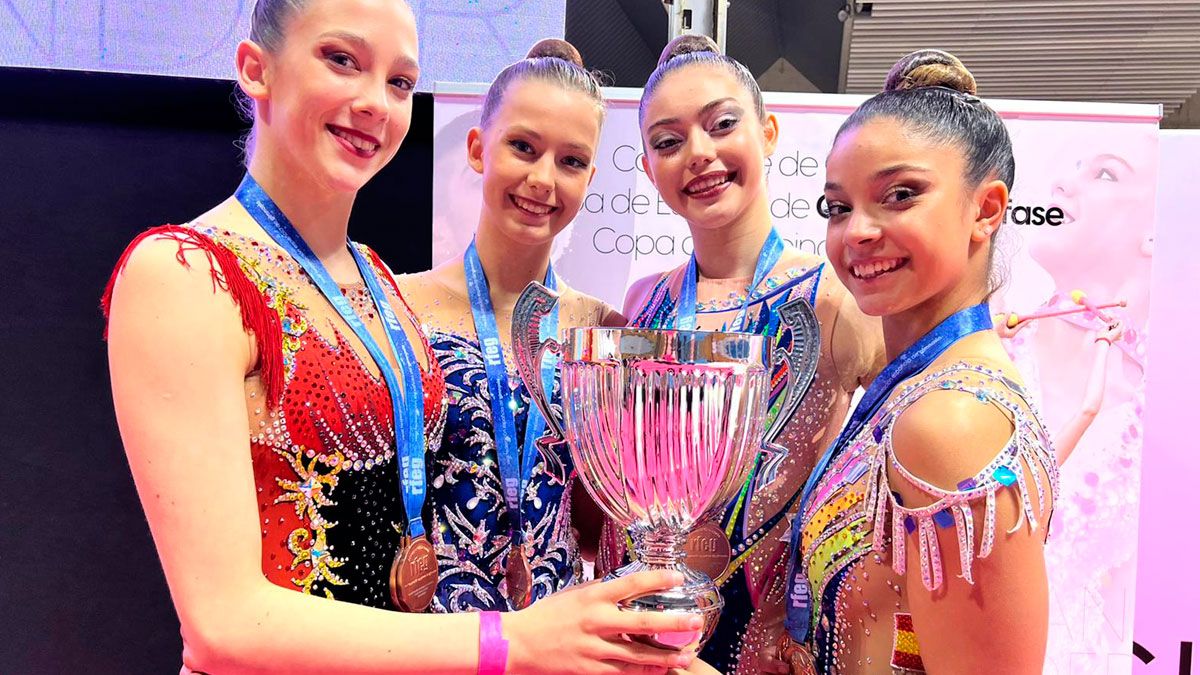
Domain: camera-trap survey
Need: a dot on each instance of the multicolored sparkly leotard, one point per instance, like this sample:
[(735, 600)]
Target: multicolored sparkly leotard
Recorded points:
[(321, 430), (855, 528)]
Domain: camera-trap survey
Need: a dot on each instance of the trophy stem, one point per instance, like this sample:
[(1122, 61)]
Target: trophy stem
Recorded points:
[(660, 548)]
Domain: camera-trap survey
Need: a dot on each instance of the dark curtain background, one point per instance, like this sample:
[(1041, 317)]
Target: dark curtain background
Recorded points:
[(86, 162)]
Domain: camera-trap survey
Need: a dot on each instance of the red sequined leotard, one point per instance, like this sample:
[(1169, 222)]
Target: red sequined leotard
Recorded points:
[(321, 430)]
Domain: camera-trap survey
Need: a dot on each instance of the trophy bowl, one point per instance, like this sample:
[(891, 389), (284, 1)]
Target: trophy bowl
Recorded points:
[(663, 427)]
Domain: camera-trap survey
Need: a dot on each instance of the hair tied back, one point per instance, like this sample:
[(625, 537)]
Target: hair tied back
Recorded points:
[(688, 43), (554, 48), (930, 68)]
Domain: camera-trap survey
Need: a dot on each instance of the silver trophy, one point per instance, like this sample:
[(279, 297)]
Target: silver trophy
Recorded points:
[(663, 427)]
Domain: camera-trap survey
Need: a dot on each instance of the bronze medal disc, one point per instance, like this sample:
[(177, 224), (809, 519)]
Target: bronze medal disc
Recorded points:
[(414, 575), (519, 577), (394, 573), (708, 550), (797, 656)]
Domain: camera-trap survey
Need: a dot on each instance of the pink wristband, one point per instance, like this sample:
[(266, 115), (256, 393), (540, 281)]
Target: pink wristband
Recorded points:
[(493, 648)]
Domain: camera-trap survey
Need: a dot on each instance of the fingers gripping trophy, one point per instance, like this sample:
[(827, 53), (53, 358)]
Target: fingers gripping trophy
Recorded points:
[(664, 426)]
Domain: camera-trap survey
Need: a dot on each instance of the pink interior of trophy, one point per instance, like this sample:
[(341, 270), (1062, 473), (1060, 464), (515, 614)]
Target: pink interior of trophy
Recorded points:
[(667, 445)]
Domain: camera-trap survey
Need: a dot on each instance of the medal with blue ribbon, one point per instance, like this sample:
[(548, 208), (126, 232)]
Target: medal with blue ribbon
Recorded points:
[(516, 465), (413, 578), (768, 257), (707, 546), (913, 360)]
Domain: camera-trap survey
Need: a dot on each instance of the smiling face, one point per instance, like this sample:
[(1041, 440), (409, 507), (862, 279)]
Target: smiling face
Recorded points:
[(536, 158), (1105, 221), (335, 100), (705, 146), (904, 231)]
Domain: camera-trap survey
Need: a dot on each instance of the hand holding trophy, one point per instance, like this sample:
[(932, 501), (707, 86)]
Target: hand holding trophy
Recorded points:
[(663, 427)]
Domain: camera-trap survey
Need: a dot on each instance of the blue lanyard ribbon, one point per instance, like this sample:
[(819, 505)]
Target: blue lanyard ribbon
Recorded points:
[(408, 401), (913, 360), (685, 317), (768, 257), (515, 472)]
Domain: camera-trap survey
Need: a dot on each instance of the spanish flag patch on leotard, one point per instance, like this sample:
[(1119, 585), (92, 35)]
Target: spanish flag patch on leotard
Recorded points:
[(905, 652)]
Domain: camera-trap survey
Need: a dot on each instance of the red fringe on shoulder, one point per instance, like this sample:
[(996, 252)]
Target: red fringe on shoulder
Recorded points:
[(227, 275)]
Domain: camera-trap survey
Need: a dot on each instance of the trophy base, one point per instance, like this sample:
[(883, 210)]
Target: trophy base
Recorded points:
[(696, 595)]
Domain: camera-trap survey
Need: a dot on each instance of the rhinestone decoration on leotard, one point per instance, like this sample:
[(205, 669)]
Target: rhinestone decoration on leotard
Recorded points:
[(323, 458), (856, 530)]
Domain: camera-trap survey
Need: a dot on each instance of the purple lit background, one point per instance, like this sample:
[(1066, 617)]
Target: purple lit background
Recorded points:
[(461, 40)]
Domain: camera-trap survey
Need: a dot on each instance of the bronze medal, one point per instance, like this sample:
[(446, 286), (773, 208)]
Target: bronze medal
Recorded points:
[(414, 575), (797, 656), (708, 550), (519, 577)]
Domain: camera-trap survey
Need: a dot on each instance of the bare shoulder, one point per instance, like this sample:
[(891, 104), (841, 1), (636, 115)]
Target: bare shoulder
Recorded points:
[(794, 258), (947, 435), (639, 293), (856, 340), (170, 297), (171, 263), (430, 286), (588, 310), (411, 283)]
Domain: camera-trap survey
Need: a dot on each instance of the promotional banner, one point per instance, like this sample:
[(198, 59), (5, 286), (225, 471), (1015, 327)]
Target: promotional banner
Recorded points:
[(1168, 593), (1079, 230)]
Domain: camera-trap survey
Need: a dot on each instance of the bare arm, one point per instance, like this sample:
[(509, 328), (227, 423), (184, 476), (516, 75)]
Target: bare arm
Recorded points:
[(612, 318), (856, 341), (178, 357), (1093, 398), (698, 667), (998, 624)]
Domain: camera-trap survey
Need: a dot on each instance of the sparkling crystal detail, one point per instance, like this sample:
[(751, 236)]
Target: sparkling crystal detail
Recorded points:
[(1004, 476)]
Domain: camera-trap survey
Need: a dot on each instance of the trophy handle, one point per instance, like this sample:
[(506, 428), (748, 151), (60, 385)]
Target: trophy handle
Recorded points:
[(535, 303), (801, 357)]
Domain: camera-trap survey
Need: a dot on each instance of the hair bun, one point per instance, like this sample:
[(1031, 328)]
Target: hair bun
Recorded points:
[(688, 43), (555, 48), (930, 68)]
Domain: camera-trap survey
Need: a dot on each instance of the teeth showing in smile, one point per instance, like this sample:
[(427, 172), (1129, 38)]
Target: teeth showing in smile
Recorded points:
[(708, 184), (536, 208), (358, 142), (873, 269)]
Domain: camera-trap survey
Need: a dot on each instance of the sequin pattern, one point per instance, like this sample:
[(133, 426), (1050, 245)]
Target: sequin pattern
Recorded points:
[(324, 459), (470, 517), (855, 527), (471, 521)]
